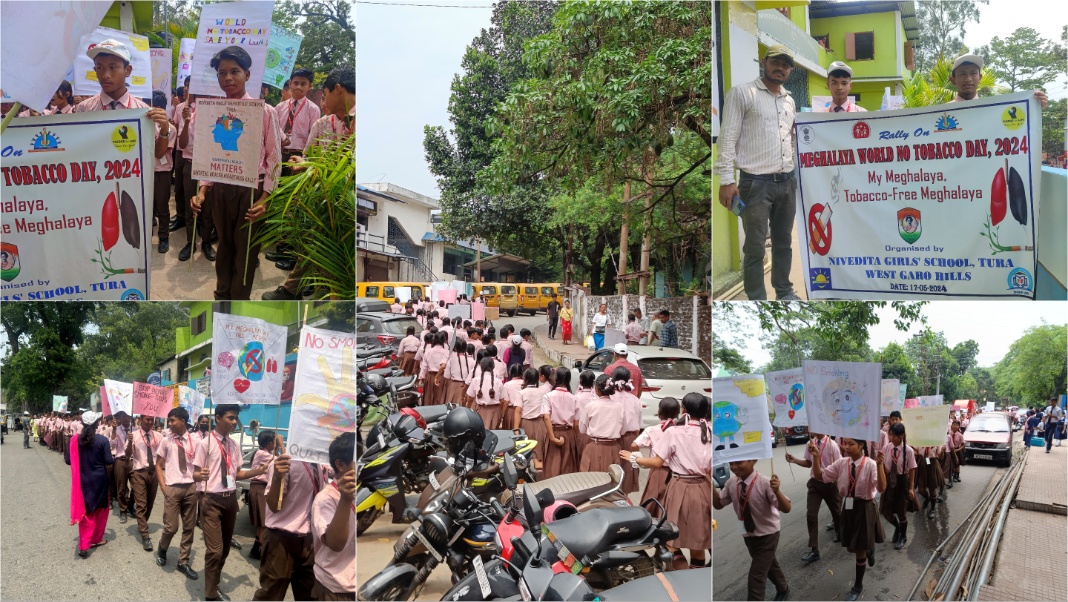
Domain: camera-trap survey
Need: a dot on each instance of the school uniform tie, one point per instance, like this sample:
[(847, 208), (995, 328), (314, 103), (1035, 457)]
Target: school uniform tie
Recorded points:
[(747, 514), (289, 122), (838, 109), (112, 105), (897, 468), (181, 456), (148, 446)]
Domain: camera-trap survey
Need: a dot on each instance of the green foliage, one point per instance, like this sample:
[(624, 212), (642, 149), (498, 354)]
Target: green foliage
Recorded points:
[(729, 359), (896, 364), (314, 210), (340, 315), (129, 341), (934, 87), (1053, 119), (1025, 60), (41, 359), (942, 29), (1034, 370)]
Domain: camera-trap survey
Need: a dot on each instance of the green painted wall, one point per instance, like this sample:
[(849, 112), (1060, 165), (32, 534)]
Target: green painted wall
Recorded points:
[(282, 313), (886, 51), (724, 223), (799, 17)]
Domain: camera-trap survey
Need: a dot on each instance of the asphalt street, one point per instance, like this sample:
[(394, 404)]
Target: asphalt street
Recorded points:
[(831, 577), (38, 552)]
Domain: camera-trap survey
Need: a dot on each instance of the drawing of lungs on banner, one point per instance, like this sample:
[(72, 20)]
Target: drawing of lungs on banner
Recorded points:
[(787, 393)]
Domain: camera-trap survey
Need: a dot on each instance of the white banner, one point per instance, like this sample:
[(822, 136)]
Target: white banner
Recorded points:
[(787, 391), (324, 393), (59, 403), (76, 207), (844, 398), (192, 401), (740, 426), (893, 398), (120, 396), (281, 56), (932, 202), (38, 43), (927, 401), (230, 133), (139, 82), (223, 24), (185, 61), (161, 71), (925, 426), (248, 358)]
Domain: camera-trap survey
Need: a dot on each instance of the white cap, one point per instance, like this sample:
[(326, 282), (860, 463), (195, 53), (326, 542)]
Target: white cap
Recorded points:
[(967, 58), (835, 66), (89, 418), (114, 47), (516, 339), (620, 349)]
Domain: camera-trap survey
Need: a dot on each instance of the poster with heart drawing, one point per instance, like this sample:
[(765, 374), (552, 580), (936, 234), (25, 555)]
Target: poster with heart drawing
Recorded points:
[(248, 355)]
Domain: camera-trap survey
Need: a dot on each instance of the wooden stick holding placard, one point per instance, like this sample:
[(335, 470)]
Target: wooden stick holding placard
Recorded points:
[(248, 242), (11, 114)]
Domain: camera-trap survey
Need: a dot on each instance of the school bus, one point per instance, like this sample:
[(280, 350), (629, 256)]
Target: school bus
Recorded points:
[(387, 291), (529, 298), (500, 295), (546, 295)]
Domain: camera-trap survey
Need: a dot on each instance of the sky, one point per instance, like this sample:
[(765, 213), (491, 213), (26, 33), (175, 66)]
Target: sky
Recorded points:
[(995, 325), (406, 57)]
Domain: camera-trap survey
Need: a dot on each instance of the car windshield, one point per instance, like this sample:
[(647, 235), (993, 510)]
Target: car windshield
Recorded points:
[(674, 368), (989, 424), (400, 327)]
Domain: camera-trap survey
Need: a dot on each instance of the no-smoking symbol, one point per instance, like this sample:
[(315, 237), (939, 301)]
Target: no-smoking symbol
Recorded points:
[(819, 236)]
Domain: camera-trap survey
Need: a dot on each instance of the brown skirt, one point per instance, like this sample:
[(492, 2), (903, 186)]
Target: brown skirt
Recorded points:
[(656, 487), (433, 395), (491, 415), (408, 363), (928, 476), (582, 441), (257, 509), (455, 391), (896, 501), (536, 430), (560, 460), (599, 455), (860, 528), (689, 505), (630, 473)]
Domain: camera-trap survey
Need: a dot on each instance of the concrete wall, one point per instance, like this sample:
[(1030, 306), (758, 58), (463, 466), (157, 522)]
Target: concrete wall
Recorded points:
[(692, 315)]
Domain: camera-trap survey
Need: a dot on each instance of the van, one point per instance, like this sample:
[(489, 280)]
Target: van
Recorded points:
[(529, 298), (509, 302), (546, 292), (499, 295), (387, 291)]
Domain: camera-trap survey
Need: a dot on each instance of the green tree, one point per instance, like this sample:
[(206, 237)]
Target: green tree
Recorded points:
[(1025, 60), (130, 340), (729, 359), (965, 354), (984, 382), (896, 364), (1034, 370), (933, 86), (943, 26), (1053, 119)]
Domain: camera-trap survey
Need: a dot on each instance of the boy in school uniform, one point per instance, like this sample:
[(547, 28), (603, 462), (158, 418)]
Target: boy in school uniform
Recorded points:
[(217, 463), (269, 441), (288, 555), (333, 525), (297, 114), (143, 444), (174, 471), (119, 450), (819, 492), (161, 193), (757, 501)]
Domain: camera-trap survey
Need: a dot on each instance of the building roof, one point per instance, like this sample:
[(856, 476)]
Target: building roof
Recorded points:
[(823, 9), (435, 237), (397, 193), (499, 261)]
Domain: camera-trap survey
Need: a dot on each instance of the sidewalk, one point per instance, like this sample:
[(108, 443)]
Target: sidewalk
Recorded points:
[(1033, 559), (797, 275), (555, 350)]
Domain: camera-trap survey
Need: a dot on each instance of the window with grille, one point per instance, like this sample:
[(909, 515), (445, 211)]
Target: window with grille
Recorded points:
[(399, 239), (198, 324)]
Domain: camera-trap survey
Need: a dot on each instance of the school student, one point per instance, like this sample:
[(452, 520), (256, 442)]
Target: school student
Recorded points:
[(333, 525), (955, 453), (204, 215), (757, 502), (900, 496), (161, 190), (515, 355), (407, 349), (583, 396), (174, 472), (929, 481), (434, 359), (656, 485), (858, 479), (546, 378), (560, 457), (297, 114), (63, 101), (217, 463), (488, 392), (632, 422), (143, 444), (119, 450), (235, 214), (819, 492), (268, 442), (602, 420), (457, 372), (531, 414)]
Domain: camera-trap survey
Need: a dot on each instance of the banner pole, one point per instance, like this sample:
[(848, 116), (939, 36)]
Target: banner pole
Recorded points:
[(14, 111), (192, 241), (248, 242)]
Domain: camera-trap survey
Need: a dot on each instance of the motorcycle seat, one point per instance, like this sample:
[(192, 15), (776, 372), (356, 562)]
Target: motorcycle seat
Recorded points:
[(593, 531), (433, 413), (401, 382), (505, 442), (576, 487)]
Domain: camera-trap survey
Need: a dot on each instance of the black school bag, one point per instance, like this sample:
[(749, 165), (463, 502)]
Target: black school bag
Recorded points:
[(516, 355)]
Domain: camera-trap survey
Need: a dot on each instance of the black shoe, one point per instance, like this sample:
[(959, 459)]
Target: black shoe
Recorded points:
[(279, 294), (176, 225), (276, 256), (949, 484), (254, 553), (187, 571), (307, 292), (871, 557), (930, 512), (164, 245), (234, 545), (782, 595), (122, 517), (183, 255), (829, 527), (956, 478), (215, 241), (223, 596), (854, 594), (286, 264), (811, 556), (161, 557), (209, 252), (897, 533), (83, 553), (146, 543), (837, 537)]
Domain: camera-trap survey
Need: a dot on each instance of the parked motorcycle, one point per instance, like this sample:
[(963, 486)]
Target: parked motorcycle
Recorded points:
[(693, 584)]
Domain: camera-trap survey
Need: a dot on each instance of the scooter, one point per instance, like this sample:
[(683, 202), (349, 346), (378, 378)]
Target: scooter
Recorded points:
[(693, 584)]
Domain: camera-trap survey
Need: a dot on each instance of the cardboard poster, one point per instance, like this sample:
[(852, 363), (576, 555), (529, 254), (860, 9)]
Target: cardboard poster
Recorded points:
[(923, 203), (59, 403), (105, 407), (223, 24), (912, 402), (989, 407), (927, 401), (457, 310), (281, 54), (161, 71), (448, 295), (76, 207), (39, 42), (185, 60), (119, 396), (925, 426), (787, 392), (324, 393), (139, 82), (192, 401), (741, 429), (844, 398), (248, 358), (478, 311), (892, 399), (491, 313), (229, 134), (150, 400)]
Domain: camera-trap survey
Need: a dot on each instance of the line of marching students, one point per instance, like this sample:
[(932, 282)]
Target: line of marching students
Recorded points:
[(583, 426), (847, 475), (304, 514)]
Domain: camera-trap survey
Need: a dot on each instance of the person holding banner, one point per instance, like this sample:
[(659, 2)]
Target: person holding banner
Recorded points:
[(161, 191), (88, 456), (235, 224), (144, 444), (174, 470), (819, 491), (839, 82), (120, 449), (966, 73), (268, 441), (900, 497), (333, 525)]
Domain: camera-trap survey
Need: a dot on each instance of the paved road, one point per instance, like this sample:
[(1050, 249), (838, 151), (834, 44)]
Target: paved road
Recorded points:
[(831, 577), (38, 553)]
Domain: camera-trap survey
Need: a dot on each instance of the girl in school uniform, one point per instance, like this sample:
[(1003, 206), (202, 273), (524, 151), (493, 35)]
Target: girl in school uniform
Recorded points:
[(900, 497), (407, 349), (560, 457), (427, 339), (583, 397), (858, 478), (929, 481), (656, 485), (430, 372), (602, 421), (487, 392), (546, 378), (458, 368), (531, 414), (686, 450), (632, 423), (955, 453), (511, 389)]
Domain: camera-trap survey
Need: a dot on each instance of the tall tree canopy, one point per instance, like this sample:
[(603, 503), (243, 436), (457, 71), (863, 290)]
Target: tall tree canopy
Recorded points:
[(943, 26)]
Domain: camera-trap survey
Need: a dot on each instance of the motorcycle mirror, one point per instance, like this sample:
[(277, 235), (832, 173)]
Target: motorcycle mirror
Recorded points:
[(508, 471), (532, 510)]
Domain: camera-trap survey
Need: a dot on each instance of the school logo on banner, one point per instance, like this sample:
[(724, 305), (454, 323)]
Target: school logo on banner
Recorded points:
[(861, 130), (819, 228), (1020, 280), (1013, 117), (9, 262), (908, 224), (45, 142), (820, 278), (947, 123)]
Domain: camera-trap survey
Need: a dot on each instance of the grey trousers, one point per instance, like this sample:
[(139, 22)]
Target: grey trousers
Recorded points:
[(767, 204)]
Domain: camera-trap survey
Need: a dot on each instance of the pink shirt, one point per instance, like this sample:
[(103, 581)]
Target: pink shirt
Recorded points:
[(459, 367), (633, 332), (408, 343), (682, 449), (64, 111), (303, 483), (955, 440), (100, 102), (335, 570), (582, 398), (484, 385), (164, 163), (761, 501), (179, 123), (532, 399), (305, 113), (602, 418), (500, 369), (562, 408), (829, 452), (118, 444), (260, 458), (632, 411), (327, 129), (144, 447), (867, 483), (512, 392), (904, 462), (849, 107), (211, 453), (528, 360), (651, 435), (270, 146), (168, 453), (433, 358)]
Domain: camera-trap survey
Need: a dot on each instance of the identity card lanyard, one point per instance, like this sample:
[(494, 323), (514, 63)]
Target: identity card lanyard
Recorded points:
[(228, 479), (853, 485)]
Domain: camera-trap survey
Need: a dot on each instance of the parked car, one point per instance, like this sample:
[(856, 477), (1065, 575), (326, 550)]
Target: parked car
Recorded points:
[(666, 372), (366, 304), (989, 437), (384, 328), (794, 434)]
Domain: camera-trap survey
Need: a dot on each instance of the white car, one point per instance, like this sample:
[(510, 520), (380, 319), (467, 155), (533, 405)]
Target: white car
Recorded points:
[(666, 372)]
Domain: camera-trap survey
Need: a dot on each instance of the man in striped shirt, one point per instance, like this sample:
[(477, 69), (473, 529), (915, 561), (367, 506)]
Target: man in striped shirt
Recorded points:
[(757, 137), (839, 82)]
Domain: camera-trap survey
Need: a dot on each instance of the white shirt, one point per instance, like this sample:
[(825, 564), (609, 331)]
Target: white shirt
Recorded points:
[(747, 139), (600, 320)]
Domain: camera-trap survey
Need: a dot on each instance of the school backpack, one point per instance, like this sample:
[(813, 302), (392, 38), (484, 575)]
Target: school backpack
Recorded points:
[(516, 355)]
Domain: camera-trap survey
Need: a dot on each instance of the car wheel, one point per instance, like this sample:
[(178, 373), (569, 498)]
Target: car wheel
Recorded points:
[(511, 313)]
